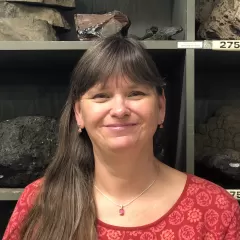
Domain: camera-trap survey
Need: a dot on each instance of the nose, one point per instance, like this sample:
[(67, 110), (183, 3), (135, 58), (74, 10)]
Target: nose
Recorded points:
[(119, 108)]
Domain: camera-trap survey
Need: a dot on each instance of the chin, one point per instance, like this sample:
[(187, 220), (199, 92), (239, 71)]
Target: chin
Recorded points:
[(121, 144)]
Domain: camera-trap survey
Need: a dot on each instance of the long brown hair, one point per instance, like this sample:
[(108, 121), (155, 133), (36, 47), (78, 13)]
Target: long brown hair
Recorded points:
[(64, 208)]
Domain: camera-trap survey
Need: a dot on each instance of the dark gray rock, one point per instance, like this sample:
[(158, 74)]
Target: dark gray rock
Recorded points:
[(55, 3), (163, 33), (27, 145), (18, 10), (22, 29), (226, 162)]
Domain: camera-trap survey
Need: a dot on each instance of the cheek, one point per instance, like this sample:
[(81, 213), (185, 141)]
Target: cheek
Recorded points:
[(149, 112), (92, 113)]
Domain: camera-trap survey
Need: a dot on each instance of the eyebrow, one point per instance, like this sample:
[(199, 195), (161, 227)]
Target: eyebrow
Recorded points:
[(130, 86)]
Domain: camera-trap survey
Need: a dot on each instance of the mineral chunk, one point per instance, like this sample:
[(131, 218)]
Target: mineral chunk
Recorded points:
[(15, 29), (217, 143), (91, 26), (60, 3), (223, 22), (163, 33), (27, 145), (204, 9), (18, 10)]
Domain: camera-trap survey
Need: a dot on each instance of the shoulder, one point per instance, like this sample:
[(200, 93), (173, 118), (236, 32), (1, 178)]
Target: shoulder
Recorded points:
[(30, 193), (23, 206), (207, 193), (216, 208)]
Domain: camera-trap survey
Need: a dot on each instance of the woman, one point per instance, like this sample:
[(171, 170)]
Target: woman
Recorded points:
[(104, 182)]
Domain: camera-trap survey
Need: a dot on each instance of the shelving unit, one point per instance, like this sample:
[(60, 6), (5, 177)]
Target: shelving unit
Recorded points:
[(30, 68)]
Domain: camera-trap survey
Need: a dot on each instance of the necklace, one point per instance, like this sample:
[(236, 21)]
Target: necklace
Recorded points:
[(122, 210)]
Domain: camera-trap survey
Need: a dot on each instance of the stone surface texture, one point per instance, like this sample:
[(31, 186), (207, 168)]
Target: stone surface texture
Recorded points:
[(217, 143), (223, 22), (57, 3), (27, 145), (90, 26), (18, 10), (15, 29), (204, 9)]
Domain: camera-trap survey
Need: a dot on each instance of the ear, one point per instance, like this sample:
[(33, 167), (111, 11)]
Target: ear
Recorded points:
[(78, 114), (162, 107)]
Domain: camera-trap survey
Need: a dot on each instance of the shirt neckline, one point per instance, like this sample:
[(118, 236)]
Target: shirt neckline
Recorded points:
[(181, 197)]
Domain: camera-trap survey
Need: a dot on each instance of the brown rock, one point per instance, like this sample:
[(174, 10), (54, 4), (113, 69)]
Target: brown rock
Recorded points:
[(223, 22), (15, 29), (18, 10), (204, 9), (60, 3), (91, 26)]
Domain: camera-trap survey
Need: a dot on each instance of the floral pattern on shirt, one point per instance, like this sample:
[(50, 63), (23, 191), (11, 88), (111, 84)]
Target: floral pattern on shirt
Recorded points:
[(204, 211)]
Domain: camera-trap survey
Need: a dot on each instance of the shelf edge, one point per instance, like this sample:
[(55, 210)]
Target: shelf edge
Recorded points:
[(10, 194), (75, 45)]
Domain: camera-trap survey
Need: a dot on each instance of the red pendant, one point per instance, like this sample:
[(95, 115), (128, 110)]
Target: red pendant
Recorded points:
[(121, 211)]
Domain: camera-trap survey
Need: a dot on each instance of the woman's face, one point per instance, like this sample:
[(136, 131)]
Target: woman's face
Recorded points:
[(121, 114)]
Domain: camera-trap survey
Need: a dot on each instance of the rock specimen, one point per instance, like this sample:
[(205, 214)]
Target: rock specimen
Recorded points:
[(92, 26), (223, 22), (18, 10), (163, 33), (26, 147), (15, 29), (55, 3), (204, 9), (217, 143)]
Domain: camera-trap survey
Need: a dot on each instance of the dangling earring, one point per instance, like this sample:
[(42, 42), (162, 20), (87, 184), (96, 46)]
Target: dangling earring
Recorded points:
[(161, 124), (79, 129)]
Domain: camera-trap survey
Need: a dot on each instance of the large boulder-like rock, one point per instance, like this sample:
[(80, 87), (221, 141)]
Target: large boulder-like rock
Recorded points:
[(17, 29), (18, 10), (27, 145), (55, 3), (217, 142), (223, 22)]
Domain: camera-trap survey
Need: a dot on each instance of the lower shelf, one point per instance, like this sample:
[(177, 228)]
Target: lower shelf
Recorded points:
[(12, 194)]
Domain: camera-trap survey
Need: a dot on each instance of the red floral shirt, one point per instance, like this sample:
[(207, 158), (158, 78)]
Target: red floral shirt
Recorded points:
[(203, 211)]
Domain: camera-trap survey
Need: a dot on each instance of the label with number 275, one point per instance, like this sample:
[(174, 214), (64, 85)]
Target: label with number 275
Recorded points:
[(235, 193), (226, 45)]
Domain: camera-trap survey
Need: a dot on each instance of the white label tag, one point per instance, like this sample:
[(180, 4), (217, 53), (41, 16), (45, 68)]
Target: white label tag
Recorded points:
[(190, 45), (235, 193), (226, 45)]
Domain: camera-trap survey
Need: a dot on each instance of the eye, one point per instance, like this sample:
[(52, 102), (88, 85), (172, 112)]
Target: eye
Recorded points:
[(136, 93), (101, 95)]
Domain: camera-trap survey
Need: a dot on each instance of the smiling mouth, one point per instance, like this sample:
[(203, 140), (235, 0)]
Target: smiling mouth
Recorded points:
[(120, 125)]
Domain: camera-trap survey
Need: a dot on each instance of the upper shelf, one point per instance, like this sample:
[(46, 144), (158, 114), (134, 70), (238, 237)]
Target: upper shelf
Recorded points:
[(75, 45), (63, 55), (142, 14)]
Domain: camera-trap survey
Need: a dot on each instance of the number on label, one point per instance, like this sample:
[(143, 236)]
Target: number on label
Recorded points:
[(226, 45), (235, 193)]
